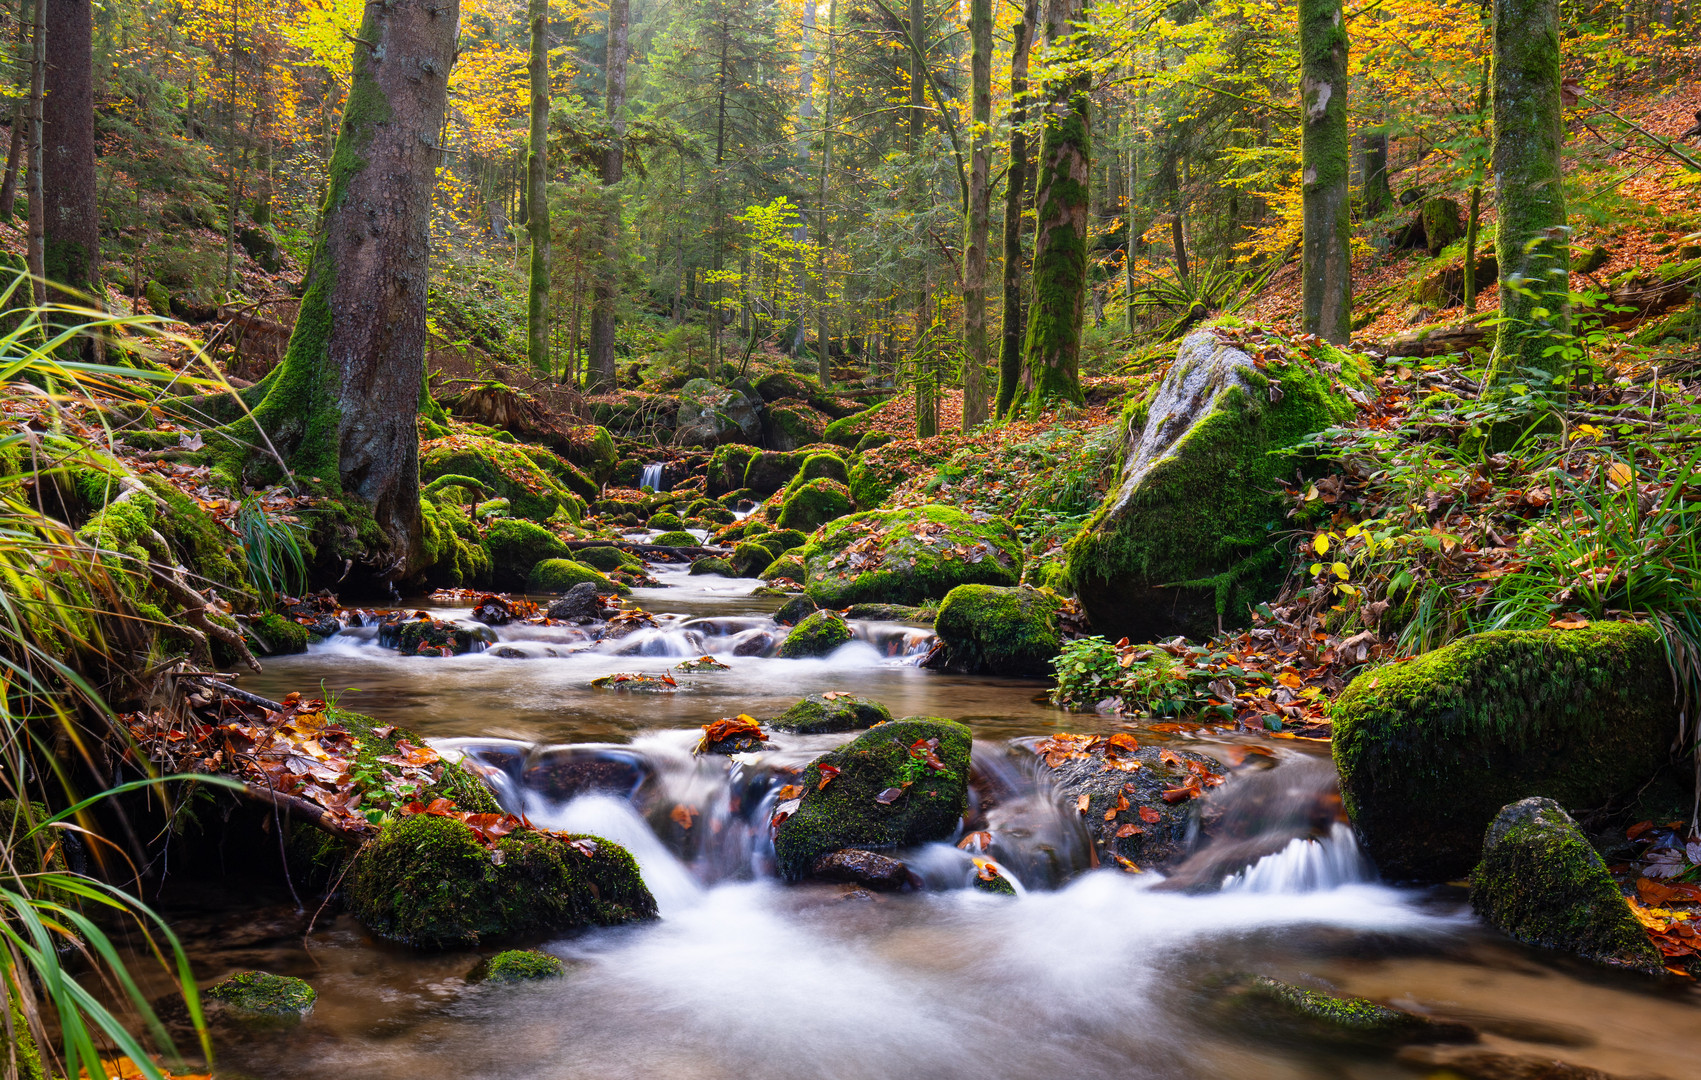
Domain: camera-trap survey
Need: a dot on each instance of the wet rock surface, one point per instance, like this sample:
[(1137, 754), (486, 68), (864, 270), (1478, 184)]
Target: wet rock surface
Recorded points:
[(857, 867)]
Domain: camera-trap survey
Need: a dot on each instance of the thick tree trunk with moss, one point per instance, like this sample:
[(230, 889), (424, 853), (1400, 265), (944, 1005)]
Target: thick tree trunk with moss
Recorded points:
[(1529, 136), (1051, 360), (600, 375), (1015, 181), (342, 407), (979, 226), (71, 246), (537, 192), (1325, 155)]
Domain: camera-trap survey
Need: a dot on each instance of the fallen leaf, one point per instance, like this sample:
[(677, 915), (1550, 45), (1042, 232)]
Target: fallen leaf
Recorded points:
[(1150, 815), (889, 796), (829, 773), (683, 815)]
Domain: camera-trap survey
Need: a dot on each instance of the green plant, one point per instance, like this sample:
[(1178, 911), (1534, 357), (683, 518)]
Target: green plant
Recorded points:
[(272, 546), (1087, 672)]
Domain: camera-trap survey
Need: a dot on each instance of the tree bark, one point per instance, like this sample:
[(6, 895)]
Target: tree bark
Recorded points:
[(20, 121), (606, 288), (35, 244), (342, 406), (824, 359), (1529, 136), (1325, 158), (1051, 364), (1015, 182), (1378, 196), (537, 192), (71, 238), (979, 225)]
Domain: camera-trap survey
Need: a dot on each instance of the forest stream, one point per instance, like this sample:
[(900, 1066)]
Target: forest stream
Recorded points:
[(1087, 973)]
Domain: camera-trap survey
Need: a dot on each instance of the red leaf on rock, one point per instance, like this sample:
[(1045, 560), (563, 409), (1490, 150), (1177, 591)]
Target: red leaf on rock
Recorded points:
[(1150, 815), (829, 773)]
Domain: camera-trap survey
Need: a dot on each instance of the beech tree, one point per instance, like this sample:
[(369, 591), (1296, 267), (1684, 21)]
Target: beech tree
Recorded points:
[(71, 214), (601, 364), (341, 408), (1324, 156), (1015, 183), (979, 226), (537, 191)]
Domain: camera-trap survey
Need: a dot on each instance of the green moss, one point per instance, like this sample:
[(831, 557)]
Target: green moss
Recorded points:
[(710, 564), (454, 783), (818, 467), (874, 440), (997, 884), (791, 426), (817, 635), (1312, 1016), (591, 449), (608, 559), (676, 538), (280, 635), (537, 484), (516, 546), (780, 541), (908, 556), (454, 551), (818, 715), (750, 557), (1541, 882), (815, 503), (522, 965), (201, 543), (23, 1045), (727, 466), (260, 994), (845, 812), (872, 484), (427, 882), (664, 522), (847, 432), (1429, 750), (559, 575), (997, 631), (1051, 349), (786, 566)]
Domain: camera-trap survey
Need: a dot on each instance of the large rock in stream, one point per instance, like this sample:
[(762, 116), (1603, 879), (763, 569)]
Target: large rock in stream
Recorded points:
[(987, 630), (1431, 748), (908, 556), (1192, 534), (710, 415), (896, 785), (1139, 802)]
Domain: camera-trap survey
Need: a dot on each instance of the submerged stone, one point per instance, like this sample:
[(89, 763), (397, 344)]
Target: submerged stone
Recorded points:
[(867, 868), (520, 965), (1292, 1012), (258, 995), (819, 714)]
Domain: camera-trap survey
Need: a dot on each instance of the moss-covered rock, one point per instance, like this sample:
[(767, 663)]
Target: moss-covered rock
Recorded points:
[(521, 965), (814, 504), (428, 636), (710, 415), (787, 566), (516, 546), (921, 614), (990, 630), (559, 575), (818, 467), (664, 522), (820, 715), (455, 553), (908, 556), (537, 483), (676, 538), (426, 881), (750, 557), (713, 564), (1191, 537), (591, 449), (259, 995), (725, 474), (787, 427), (817, 635), (990, 880), (780, 541), (608, 559), (1429, 750), (1540, 882), (887, 793), (279, 635), (1266, 1006), (849, 430)]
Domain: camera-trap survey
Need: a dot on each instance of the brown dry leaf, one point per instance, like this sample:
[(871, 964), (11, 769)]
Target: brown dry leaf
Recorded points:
[(1150, 815), (683, 815), (1128, 830), (1081, 803)]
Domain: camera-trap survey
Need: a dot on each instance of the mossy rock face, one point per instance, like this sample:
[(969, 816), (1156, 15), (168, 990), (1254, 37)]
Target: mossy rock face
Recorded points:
[(922, 804), (787, 427), (771, 470), (908, 556), (26, 850), (455, 553), (780, 385), (1443, 223), (712, 564), (427, 882), (1542, 883), (990, 630), (817, 635), (1293, 1013), (559, 575), (818, 467), (814, 504), (874, 440), (280, 635), (516, 546), (710, 415), (591, 449), (521, 965), (258, 995), (201, 543), (849, 430), (1429, 750), (789, 567), (676, 538), (821, 715), (781, 541), (1191, 537), (726, 469), (429, 636), (923, 614), (664, 522), (537, 483), (608, 559), (749, 557)]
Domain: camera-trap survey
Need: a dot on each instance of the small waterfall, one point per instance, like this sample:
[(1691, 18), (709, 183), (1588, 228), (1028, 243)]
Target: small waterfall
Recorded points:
[(652, 478), (1306, 865)]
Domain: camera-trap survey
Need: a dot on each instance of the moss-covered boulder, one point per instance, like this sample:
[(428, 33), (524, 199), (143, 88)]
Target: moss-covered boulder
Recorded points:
[(1429, 750), (908, 556), (895, 785), (608, 559), (1261, 1005), (820, 466), (781, 385), (591, 449), (1192, 535), (713, 564), (710, 415), (278, 635), (1542, 883), (665, 521), (537, 483), (455, 553), (423, 635), (676, 538), (258, 995), (820, 714), (780, 541), (990, 630), (787, 427), (516, 546), (559, 575), (817, 635), (849, 430), (427, 881), (749, 557), (814, 504), (520, 965), (787, 566), (725, 473)]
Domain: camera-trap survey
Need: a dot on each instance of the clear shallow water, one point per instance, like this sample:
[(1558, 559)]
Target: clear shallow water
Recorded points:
[(1104, 976)]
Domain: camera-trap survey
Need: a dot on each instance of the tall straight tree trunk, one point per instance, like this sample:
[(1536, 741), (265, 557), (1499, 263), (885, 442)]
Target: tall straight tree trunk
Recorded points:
[(606, 288), (20, 120), (1529, 135), (233, 182), (979, 225), (1051, 361), (343, 405), (35, 246), (71, 238), (1378, 196), (823, 357), (537, 192), (1325, 158), (1015, 183), (718, 260), (1473, 221)]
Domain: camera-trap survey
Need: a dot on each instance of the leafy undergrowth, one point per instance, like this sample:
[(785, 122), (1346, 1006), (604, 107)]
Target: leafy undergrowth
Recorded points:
[(1662, 883)]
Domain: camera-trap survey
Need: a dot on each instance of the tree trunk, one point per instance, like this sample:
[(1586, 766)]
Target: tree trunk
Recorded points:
[(34, 246), (1010, 351), (980, 215), (1326, 273), (1050, 366), (823, 358), (342, 406), (20, 121), (1378, 196), (537, 192), (71, 237), (606, 287), (1529, 136), (1473, 222)]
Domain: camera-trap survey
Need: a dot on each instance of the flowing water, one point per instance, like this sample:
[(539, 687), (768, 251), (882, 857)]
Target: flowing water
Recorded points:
[(1088, 973)]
